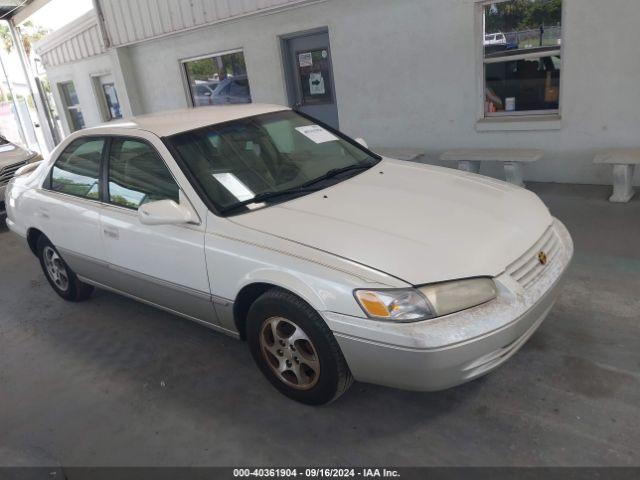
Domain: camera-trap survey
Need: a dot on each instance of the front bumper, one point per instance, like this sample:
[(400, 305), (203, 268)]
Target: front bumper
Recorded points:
[(444, 352)]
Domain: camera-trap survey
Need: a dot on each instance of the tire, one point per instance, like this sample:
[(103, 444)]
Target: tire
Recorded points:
[(285, 332), (61, 278)]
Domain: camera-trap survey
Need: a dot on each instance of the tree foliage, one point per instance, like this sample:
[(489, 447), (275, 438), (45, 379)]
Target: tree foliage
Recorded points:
[(30, 34), (517, 15)]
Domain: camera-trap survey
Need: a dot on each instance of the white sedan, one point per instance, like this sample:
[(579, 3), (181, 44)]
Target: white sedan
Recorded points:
[(333, 263)]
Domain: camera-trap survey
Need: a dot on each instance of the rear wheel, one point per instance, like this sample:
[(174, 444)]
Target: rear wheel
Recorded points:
[(295, 349), (61, 278)]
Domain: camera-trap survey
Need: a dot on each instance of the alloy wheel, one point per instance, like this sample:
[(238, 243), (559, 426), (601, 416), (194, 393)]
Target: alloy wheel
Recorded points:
[(56, 269), (290, 353)]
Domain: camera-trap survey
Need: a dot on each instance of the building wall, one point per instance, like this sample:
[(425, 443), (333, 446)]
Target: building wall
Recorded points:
[(80, 40), (81, 73), (133, 21), (407, 75)]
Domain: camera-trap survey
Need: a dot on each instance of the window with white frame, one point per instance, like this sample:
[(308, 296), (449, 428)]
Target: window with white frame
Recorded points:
[(72, 105), (522, 43), (113, 109), (108, 102), (218, 79)]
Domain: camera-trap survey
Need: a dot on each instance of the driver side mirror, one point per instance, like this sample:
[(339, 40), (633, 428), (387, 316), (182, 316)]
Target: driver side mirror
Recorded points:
[(362, 142), (165, 212)]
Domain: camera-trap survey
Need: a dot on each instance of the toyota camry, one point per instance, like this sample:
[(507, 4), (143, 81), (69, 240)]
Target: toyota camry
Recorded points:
[(332, 262)]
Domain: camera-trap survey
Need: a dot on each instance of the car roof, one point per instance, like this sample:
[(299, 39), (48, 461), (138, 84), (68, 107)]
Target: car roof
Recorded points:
[(176, 121)]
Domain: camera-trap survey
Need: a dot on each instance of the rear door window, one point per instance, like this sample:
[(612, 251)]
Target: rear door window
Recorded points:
[(77, 170)]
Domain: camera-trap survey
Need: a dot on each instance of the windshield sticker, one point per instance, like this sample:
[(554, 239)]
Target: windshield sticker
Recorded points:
[(235, 186), (317, 134)]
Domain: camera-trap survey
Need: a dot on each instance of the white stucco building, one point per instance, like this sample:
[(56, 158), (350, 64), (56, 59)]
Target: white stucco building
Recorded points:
[(407, 73)]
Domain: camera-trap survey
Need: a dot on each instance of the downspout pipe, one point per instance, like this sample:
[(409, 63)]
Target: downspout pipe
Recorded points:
[(101, 24)]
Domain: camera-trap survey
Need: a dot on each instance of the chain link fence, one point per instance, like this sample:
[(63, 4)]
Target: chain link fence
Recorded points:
[(531, 38)]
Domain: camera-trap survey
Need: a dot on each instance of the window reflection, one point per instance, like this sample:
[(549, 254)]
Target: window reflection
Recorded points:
[(522, 50), (77, 171), (72, 104), (523, 85), (267, 153), (218, 80), (137, 175), (111, 97)]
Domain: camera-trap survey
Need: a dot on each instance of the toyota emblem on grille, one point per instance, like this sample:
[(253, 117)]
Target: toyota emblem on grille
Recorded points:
[(542, 258)]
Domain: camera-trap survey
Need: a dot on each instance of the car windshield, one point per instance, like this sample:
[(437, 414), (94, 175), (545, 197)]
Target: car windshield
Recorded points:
[(266, 159)]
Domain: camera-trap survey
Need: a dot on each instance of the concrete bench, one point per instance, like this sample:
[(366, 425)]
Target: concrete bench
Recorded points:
[(409, 154), (624, 162), (469, 160)]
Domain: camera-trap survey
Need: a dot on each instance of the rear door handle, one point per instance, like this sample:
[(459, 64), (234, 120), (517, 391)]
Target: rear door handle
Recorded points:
[(111, 232)]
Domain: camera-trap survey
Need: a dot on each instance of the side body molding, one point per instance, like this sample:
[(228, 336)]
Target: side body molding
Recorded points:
[(185, 302)]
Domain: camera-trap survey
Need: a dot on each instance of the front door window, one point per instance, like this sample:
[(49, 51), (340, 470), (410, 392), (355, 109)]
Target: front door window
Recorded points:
[(137, 175)]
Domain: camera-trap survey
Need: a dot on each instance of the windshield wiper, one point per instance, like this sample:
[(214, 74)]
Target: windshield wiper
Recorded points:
[(301, 189), (334, 172), (262, 197)]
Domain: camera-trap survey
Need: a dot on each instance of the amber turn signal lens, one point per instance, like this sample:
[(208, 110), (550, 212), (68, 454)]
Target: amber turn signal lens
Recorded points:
[(372, 304)]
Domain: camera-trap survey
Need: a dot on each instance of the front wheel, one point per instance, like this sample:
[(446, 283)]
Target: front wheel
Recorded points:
[(295, 349)]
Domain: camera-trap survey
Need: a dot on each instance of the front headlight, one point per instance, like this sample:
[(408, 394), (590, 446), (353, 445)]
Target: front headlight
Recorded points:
[(423, 303)]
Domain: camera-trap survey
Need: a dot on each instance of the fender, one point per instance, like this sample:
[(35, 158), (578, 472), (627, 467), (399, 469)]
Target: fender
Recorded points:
[(243, 257)]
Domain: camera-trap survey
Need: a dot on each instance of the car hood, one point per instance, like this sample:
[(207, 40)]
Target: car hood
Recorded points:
[(419, 223), (11, 154)]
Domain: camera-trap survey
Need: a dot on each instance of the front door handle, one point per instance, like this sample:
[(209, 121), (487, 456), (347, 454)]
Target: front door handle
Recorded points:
[(111, 232)]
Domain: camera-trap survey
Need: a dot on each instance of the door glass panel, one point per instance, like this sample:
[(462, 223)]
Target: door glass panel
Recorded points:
[(111, 97), (72, 103), (77, 171), (218, 80), (522, 52), (315, 76), (523, 85), (137, 175)]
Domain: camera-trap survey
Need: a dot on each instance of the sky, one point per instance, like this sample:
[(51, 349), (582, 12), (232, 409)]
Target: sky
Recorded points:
[(58, 13), (53, 15)]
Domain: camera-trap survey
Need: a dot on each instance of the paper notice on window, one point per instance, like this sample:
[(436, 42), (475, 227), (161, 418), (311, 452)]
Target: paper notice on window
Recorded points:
[(316, 84), (305, 60), (316, 133), (235, 186)]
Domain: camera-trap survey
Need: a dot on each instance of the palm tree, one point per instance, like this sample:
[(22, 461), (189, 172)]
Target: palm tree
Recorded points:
[(30, 34)]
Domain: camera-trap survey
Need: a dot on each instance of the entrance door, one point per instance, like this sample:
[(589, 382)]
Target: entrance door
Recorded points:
[(309, 76)]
